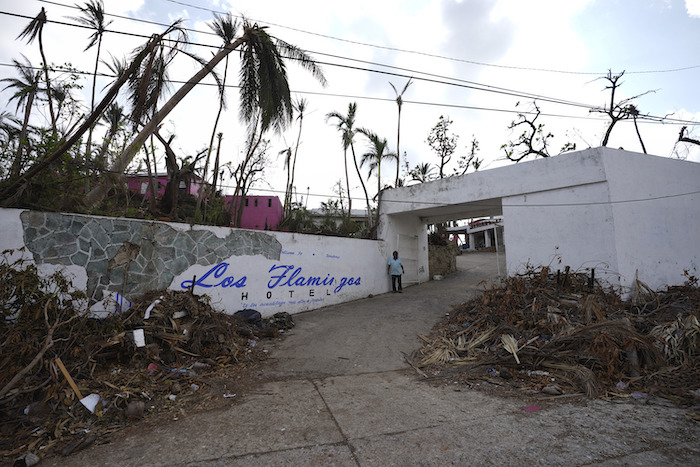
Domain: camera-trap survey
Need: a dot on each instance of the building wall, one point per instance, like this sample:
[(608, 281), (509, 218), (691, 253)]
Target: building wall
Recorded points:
[(562, 227), (612, 210), (139, 185), (261, 212), (116, 259)]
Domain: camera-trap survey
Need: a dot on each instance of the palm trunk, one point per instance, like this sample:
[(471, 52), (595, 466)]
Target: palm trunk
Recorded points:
[(200, 195), (398, 149), (216, 162), (347, 181), (364, 188), (17, 163), (88, 144), (98, 193), (48, 85), (294, 158)]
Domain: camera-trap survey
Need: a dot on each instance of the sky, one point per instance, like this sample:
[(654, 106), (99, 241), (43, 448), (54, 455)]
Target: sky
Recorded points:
[(476, 62)]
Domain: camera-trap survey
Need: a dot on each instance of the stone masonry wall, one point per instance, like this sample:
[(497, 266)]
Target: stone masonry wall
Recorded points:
[(130, 257)]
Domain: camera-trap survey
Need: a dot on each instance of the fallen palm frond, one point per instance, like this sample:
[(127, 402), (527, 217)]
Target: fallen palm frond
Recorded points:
[(586, 336), (681, 338)]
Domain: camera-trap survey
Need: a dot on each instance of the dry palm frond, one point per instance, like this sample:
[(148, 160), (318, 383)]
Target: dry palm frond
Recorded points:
[(511, 345), (582, 376), (468, 346), (681, 338), (444, 350), (641, 292)]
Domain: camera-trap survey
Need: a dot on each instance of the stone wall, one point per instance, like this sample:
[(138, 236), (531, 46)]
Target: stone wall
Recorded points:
[(443, 259)]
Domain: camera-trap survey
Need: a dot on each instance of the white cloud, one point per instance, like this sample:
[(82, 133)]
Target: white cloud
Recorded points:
[(693, 7)]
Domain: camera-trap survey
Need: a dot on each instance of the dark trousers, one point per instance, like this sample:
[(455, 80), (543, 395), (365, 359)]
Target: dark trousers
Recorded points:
[(394, 281)]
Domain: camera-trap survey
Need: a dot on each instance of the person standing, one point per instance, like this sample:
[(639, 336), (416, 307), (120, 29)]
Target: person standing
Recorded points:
[(395, 268)]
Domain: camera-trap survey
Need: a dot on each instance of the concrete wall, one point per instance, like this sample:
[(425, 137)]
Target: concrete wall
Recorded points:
[(116, 259), (601, 208)]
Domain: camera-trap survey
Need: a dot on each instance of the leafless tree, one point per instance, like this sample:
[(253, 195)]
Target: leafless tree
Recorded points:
[(618, 111), (533, 140)]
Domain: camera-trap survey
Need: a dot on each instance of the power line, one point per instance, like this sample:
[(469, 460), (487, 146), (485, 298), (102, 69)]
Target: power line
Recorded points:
[(442, 57), (467, 84), (387, 99)]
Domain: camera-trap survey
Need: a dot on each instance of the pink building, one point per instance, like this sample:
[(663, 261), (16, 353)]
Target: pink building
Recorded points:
[(259, 212)]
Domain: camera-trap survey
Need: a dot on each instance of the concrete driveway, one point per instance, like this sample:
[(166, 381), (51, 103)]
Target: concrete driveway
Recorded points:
[(339, 392)]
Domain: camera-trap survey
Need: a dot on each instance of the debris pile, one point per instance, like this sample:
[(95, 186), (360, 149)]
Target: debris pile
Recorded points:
[(67, 378), (564, 333)]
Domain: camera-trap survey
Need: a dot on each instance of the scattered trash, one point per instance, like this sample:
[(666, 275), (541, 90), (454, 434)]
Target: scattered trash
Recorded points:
[(552, 390), (621, 385), (90, 402), (172, 397), (438, 277), (639, 395), (135, 409), (139, 338), (194, 387), (27, 460), (229, 395), (147, 314)]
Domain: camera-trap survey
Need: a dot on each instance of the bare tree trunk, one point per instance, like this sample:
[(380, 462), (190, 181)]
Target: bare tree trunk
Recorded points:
[(638, 134)]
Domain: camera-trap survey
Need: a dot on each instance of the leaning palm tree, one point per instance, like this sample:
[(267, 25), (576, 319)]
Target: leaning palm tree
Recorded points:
[(264, 89), (399, 103), (9, 192), (35, 29), (94, 18), (26, 88), (226, 27), (346, 125)]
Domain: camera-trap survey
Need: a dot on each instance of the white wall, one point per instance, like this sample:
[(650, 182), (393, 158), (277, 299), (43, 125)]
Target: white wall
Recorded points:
[(656, 207), (267, 271), (562, 227), (311, 272), (611, 210)]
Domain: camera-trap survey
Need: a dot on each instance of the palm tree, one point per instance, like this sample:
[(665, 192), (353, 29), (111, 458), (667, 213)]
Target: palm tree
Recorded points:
[(423, 172), (263, 88), (114, 119), (287, 153), (346, 125), (226, 28), (399, 103), (35, 29), (94, 18), (378, 151), (26, 88)]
